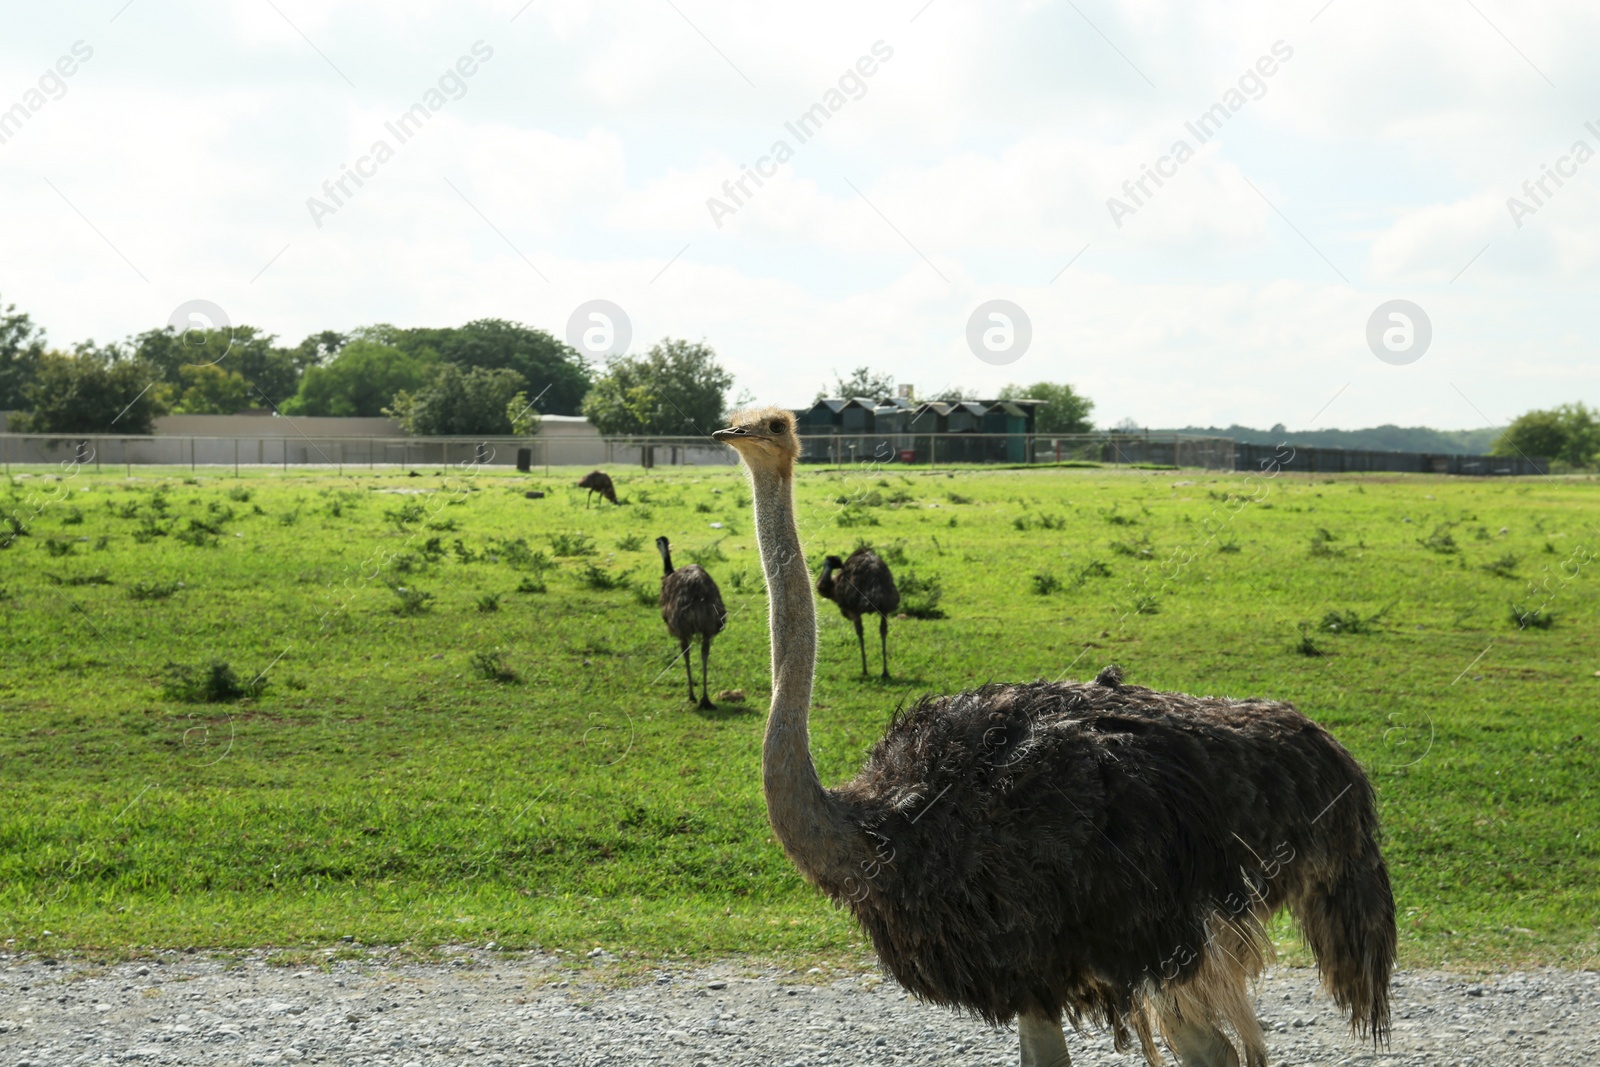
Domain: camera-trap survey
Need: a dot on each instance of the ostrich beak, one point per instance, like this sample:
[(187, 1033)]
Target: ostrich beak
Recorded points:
[(729, 434)]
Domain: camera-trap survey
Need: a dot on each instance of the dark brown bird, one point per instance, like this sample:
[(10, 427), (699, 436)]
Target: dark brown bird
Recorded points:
[(862, 585), (597, 482), (1067, 851), (691, 604)]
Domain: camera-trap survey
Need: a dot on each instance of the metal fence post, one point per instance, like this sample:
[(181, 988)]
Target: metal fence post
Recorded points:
[(236, 457)]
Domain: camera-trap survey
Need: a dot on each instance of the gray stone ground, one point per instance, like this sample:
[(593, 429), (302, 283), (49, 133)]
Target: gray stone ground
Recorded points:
[(483, 1008)]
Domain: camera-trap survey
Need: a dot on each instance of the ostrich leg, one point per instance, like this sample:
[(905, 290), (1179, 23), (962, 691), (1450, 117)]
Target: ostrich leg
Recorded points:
[(688, 664), (1198, 1044), (862, 641), (883, 637), (1043, 1044), (705, 685)]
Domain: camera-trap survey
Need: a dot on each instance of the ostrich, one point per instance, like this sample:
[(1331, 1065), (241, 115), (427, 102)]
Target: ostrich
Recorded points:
[(597, 482), (691, 604), (864, 586), (1057, 852)]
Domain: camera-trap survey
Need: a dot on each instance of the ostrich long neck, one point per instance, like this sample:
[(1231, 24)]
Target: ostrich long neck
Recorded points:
[(806, 819)]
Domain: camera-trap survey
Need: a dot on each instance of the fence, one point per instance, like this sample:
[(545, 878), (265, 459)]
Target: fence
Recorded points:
[(1342, 460), (927, 449)]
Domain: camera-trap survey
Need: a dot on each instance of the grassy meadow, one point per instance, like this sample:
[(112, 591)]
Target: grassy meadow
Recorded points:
[(450, 712)]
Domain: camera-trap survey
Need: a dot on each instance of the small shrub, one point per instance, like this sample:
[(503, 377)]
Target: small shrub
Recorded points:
[(704, 554), (211, 526), (630, 543), (1347, 622), (442, 525), (737, 580), (1440, 541), (1306, 646), (239, 495), (407, 563), (702, 508), (1116, 519), (1146, 604), (463, 553), (289, 518), (1531, 618), (432, 550), (73, 517), (1504, 567), (600, 578), (1045, 584), (214, 683), (128, 509), (412, 601), (957, 498), (57, 548), (491, 666), (98, 578), (222, 511), (920, 595), (153, 590), (647, 595), (852, 516), (489, 602), (149, 529), (1230, 545), (531, 585), (197, 536), (1093, 569), (572, 544), (405, 515), (1140, 549)]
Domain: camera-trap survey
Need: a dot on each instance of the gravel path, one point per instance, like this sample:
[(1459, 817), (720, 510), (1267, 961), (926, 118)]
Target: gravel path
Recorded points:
[(494, 1010)]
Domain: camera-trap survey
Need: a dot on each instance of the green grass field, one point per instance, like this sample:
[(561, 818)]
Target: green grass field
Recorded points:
[(453, 714)]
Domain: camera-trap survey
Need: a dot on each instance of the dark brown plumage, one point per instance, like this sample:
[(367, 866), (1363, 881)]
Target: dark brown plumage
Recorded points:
[(691, 604), (862, 585), (1085, 849), (597, 482)]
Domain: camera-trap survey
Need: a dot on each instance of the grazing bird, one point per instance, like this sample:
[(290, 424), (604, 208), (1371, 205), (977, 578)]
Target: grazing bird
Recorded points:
[(1074, 851), (597, 482), (862, 585), (691, 604)]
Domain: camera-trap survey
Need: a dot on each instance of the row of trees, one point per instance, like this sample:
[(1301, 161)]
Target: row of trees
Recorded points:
[(487, 377)]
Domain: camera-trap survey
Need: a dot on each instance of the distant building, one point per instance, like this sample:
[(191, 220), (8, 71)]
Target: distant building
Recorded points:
[(835, 429)]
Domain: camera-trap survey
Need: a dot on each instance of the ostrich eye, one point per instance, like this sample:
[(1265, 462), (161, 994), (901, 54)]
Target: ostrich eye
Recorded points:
[(776, 426)]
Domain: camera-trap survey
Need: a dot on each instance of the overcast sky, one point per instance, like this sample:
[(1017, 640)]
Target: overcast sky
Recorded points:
[(1357, 153)]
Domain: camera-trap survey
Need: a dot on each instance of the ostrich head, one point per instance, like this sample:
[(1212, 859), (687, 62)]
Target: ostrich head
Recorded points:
[(832, 563), (665, 548), (764, 438)]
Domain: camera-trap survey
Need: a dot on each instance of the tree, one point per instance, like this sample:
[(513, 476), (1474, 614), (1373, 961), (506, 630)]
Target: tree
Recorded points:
[(863, 381), (556, 374), (1569, 434), (360, 381), (271, 373), (471, 402), (93, 390), (21, 348), (210, 390), (1065, 410), (678, 387), (521, 415)]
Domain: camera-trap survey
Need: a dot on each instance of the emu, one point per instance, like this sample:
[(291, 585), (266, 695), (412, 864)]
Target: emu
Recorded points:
[(691, 605), (597, 482), (1057, 852), (863, 586)]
